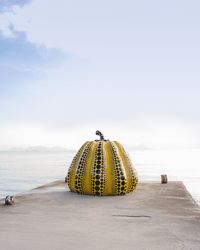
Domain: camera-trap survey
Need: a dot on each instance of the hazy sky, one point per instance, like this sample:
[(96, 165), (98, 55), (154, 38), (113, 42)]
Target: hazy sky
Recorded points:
[(129, 68)]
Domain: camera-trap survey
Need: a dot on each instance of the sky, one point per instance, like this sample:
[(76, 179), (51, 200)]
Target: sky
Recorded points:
[(128, 68)]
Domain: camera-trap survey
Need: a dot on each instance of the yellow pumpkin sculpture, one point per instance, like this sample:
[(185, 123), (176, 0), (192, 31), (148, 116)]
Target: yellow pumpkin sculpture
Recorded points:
[(101, 167)]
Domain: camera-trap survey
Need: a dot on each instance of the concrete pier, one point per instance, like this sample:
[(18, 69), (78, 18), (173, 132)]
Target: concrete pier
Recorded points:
[(155, 216)]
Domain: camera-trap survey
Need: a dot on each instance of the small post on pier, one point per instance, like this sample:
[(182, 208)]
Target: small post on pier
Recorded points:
[(164, 179)]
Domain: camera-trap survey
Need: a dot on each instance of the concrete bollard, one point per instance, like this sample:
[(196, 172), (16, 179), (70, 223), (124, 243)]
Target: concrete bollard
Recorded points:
[(164, 179)]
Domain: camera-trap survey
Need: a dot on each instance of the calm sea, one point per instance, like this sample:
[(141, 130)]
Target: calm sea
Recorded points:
[(21, 171)]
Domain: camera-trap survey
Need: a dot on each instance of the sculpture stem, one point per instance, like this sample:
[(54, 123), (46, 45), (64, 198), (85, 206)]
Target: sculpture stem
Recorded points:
[(101, 135)]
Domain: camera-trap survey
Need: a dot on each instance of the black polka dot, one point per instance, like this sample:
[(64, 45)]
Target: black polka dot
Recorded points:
[(97, 182)]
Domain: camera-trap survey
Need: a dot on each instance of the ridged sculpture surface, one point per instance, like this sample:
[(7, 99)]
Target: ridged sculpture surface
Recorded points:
[(102, 167)]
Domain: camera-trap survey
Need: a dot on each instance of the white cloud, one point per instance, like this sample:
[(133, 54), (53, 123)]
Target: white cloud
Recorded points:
[(99, 35), (5, 26), (126, 38), (85, 28), (60, 24)]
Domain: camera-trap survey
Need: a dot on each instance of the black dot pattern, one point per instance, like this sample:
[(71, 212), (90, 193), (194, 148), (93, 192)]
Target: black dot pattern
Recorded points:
[(120, 180), (73, 163), (133, 174), (80, 169), (98, 171), (85, 178)]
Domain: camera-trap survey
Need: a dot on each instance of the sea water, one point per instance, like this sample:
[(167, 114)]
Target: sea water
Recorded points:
[(22, 171)]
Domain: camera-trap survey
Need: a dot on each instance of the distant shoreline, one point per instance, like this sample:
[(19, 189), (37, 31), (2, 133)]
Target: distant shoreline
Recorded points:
[(38, 149)]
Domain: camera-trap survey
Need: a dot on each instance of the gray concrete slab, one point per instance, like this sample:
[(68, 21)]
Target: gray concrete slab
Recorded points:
[(155, 216)]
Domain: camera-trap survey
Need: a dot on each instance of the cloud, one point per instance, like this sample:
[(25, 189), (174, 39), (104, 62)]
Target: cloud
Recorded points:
[(8, 4), (127, 60), (6, 10), (132, 41), (21, 60), (22, 53)]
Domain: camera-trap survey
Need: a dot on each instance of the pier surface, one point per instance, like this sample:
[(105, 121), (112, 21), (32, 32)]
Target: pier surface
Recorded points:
[(155, 216)]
